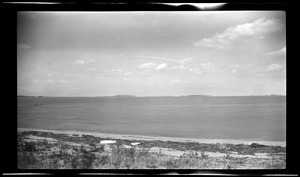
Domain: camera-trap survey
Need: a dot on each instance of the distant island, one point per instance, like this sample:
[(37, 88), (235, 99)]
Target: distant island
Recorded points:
[(275, 95), (194, 95), (118, 96), (124, 96), (28, 96), (23, 96)]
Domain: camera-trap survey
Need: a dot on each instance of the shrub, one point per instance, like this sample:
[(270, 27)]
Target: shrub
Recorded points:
[(88, 160), (76, 162), (83, 160), (228, 156), (28, 146), (151, 162), (26, 160), (103, 160), (172, 163), (203, 155)]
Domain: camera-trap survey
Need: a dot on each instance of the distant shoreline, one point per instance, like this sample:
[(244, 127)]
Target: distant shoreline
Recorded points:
[(168, 96), (153, 138)]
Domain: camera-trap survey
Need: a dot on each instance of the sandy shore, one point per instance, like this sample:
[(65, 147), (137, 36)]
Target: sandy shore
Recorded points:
[(153, 138)]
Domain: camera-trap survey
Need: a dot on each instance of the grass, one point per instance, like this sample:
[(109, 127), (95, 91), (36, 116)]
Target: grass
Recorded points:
[(91, 155)]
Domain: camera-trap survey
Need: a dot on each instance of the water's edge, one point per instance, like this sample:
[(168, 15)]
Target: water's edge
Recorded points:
[(153, 138)]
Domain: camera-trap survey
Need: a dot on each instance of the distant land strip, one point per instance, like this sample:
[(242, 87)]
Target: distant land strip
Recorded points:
[(131, 96)]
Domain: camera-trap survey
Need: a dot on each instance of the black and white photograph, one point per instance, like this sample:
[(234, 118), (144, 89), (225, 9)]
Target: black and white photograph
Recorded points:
[(151, 90)]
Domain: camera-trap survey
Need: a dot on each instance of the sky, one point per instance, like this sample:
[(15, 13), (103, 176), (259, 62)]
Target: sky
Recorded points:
[(220, 53)]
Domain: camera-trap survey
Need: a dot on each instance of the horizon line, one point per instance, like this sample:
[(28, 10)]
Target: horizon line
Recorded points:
[(154, 96)]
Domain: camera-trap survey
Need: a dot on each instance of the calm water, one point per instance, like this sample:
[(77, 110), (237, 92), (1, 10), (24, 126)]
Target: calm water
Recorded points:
[(262, 118)]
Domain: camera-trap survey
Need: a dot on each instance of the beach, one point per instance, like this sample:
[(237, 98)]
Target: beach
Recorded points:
[(52, 149), (153, 138)]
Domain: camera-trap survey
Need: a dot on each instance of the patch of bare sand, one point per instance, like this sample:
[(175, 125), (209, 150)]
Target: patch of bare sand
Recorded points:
[(32, 138), (177, 153)]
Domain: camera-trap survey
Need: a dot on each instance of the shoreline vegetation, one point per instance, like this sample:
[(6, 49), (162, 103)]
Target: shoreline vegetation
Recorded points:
[(54, 149)]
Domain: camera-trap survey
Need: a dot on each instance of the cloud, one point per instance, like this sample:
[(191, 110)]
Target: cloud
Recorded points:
[(161, 66), (146, 66), (205, 68), (273, 67), (159, 58), (181, 67), (185, 60), (281, 52), (111, 72), (23, 46), (114, 71), (208, 67), (169, 59), (79, 62), (195, 70), (82, 62), (255, 29)]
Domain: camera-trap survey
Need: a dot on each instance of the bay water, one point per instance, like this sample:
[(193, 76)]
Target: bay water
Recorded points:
[(203, 117)]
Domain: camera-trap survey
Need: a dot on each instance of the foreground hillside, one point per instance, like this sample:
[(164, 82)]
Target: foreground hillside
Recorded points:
[(48, 150)]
